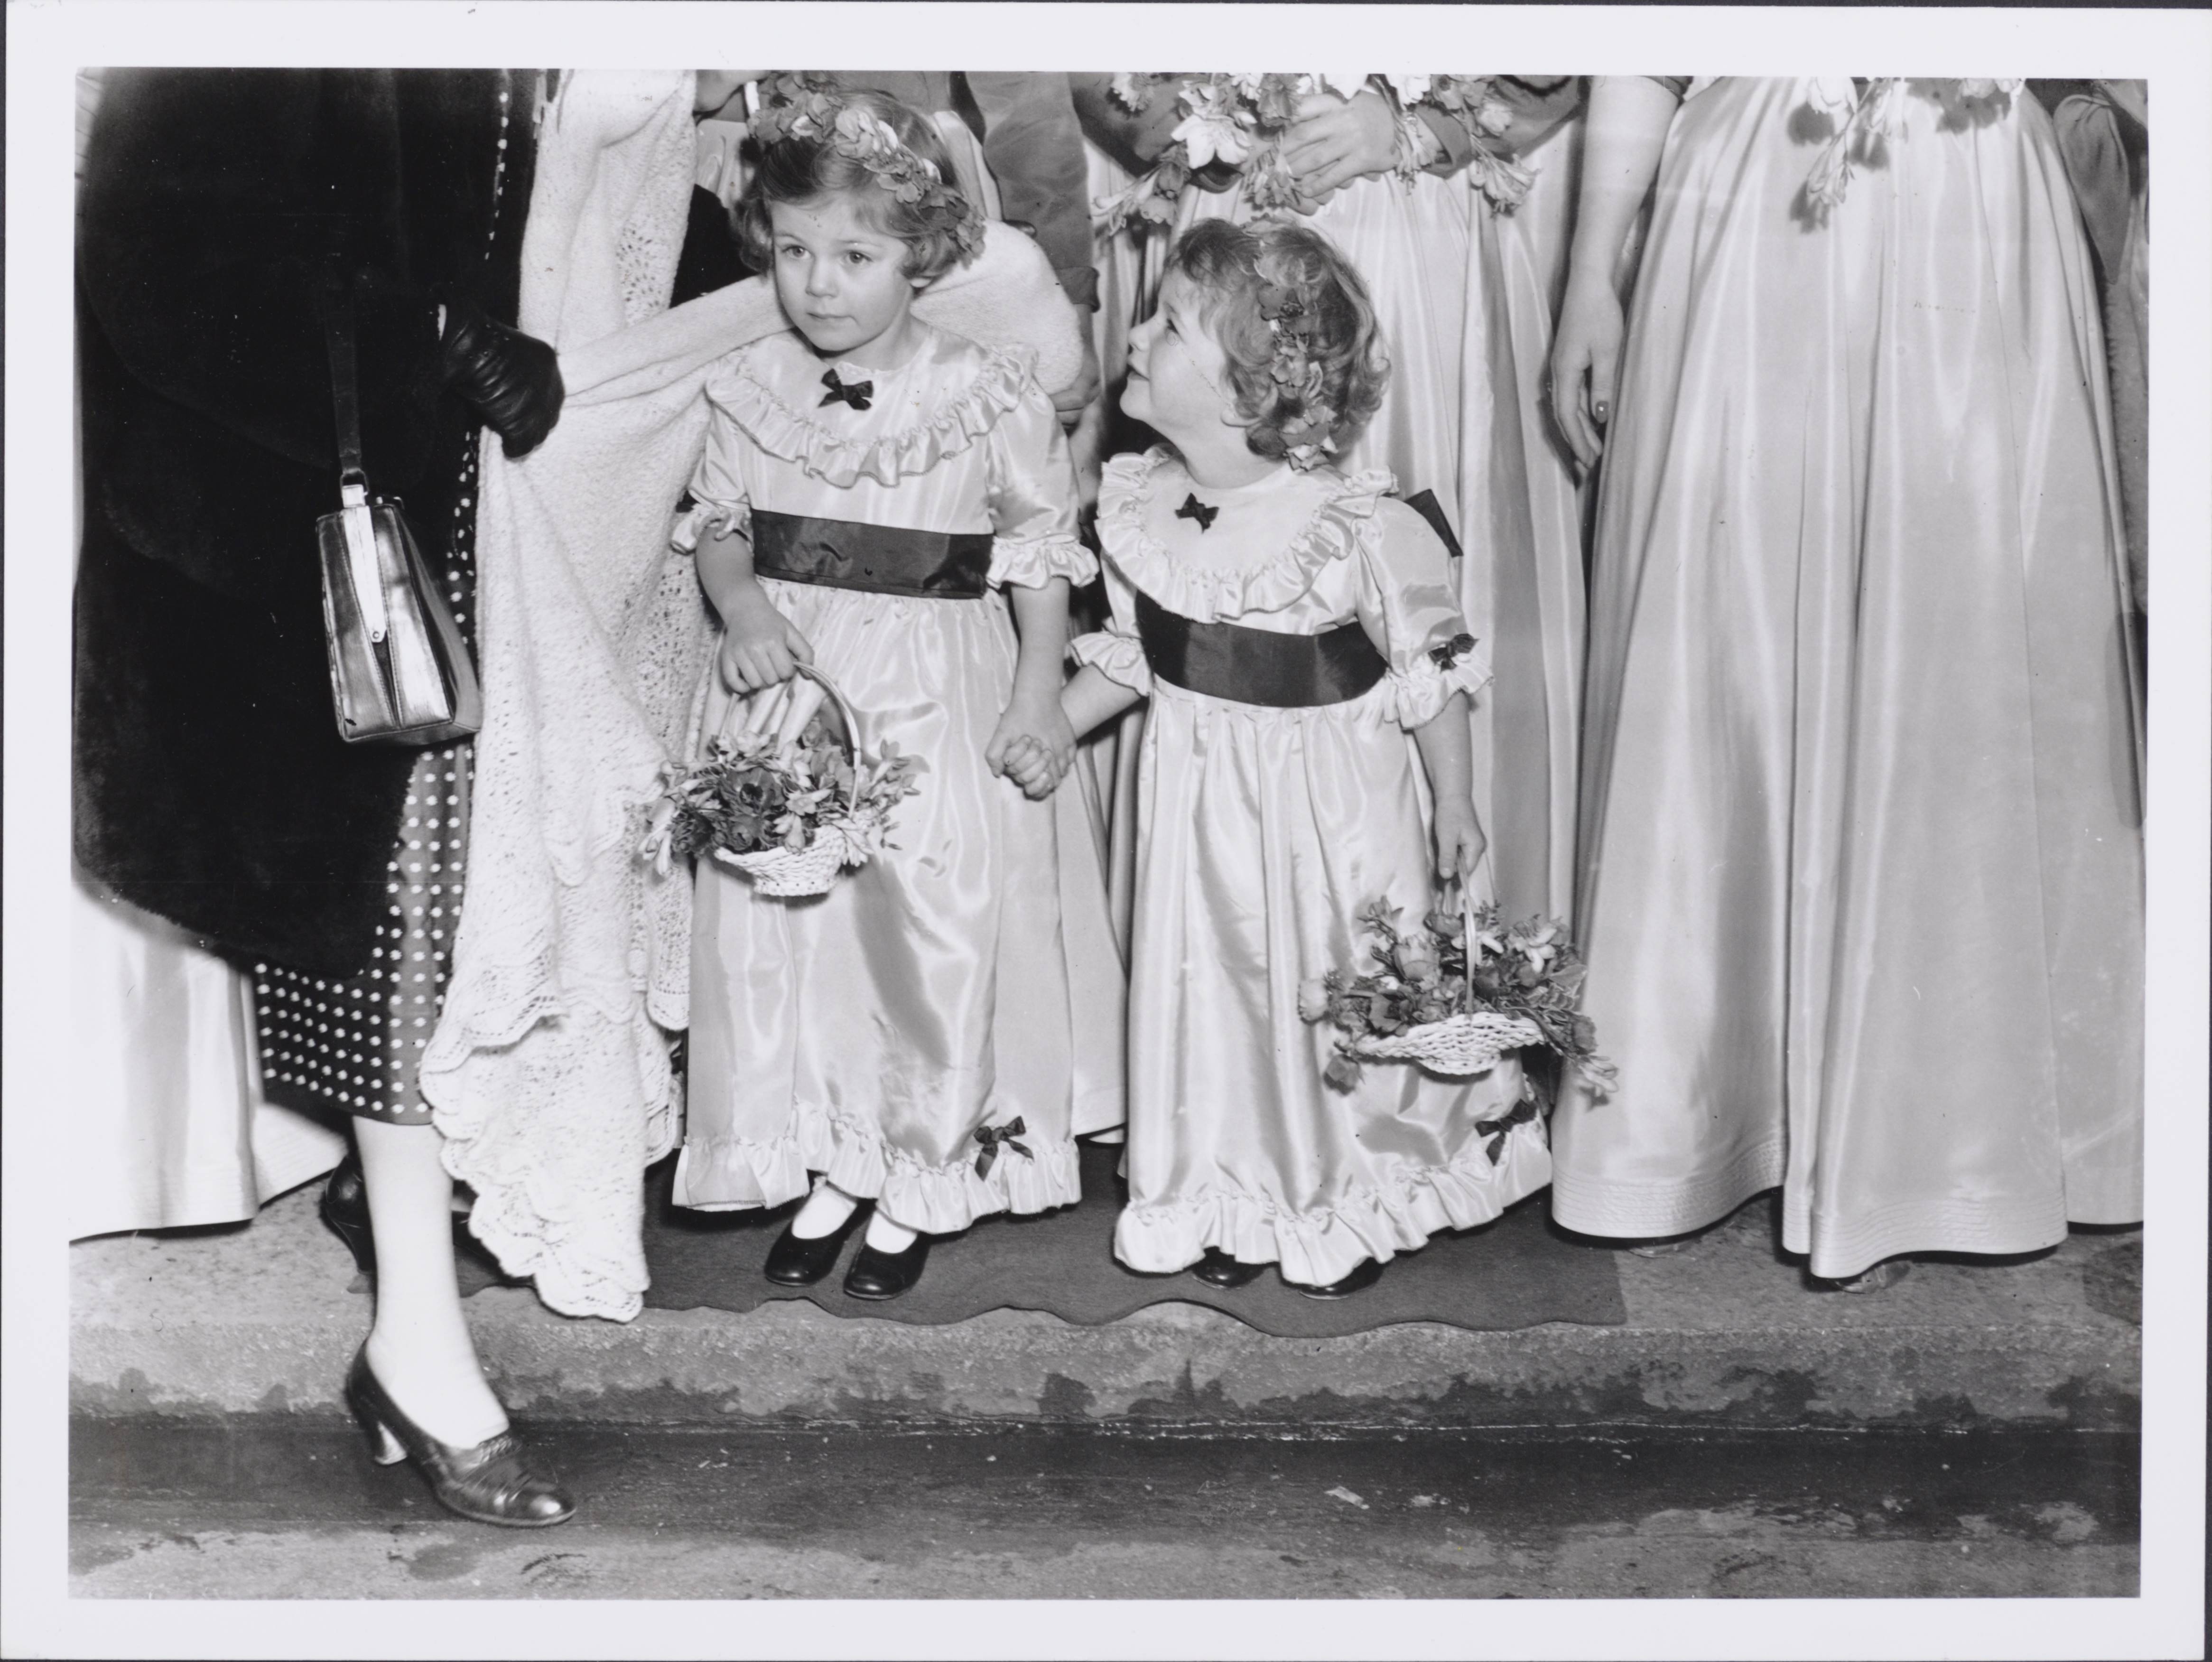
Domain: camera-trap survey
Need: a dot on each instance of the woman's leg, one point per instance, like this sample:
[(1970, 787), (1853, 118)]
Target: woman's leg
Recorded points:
[(420, 1347)]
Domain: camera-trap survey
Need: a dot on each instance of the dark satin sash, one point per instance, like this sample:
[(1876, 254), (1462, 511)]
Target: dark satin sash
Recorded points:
[(1257, 665), (881, 559)]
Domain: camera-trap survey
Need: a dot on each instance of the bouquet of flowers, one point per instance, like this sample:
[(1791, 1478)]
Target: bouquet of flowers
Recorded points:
[(1234, 123), (1457, 995), (790, 805)]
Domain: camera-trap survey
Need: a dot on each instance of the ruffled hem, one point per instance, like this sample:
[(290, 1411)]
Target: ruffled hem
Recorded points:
[(723, 1174), (1316, 1248), (586, 1258), (793, 436), (1419, 690), (1119, 658), (701, 518), (1032, 562), (1343, 518)]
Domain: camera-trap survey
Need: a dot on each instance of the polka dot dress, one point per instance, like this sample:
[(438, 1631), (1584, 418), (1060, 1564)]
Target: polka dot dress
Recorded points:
[(355, 1045)]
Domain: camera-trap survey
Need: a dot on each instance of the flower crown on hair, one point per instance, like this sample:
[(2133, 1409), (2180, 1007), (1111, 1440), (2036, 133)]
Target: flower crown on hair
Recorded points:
[(1291, 322), (808, 106)]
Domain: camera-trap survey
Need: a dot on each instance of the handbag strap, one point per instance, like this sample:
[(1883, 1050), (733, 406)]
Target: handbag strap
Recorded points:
[(345, 386)]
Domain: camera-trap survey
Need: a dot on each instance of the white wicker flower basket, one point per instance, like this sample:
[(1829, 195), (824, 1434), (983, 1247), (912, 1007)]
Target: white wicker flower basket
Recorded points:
[(838, 843), (1458, 1046)]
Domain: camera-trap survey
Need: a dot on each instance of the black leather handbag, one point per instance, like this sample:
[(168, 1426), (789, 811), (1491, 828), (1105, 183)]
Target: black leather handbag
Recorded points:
[(400, 673)]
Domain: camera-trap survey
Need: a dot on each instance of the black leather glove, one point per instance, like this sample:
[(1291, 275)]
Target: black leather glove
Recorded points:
[(512, 380)]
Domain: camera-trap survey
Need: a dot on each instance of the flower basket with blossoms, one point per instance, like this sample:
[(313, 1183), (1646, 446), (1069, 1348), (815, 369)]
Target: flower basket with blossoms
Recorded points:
[(1233, 125), (790, 804), (1455, 997)]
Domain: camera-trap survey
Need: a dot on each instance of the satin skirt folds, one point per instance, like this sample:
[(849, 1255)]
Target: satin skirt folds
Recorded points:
[(966, 977), (1520, 585), (1862, 888), (1263, 833), (1720, 632), (1982, 1077)]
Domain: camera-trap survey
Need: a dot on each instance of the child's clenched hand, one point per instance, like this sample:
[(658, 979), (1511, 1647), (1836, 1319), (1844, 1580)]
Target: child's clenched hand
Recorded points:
[(760, 646), (1034, 744), (1460, 841), (1030, 765)]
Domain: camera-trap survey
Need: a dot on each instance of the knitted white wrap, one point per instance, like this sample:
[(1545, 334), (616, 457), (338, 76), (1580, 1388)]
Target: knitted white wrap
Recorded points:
[(549, 1071)]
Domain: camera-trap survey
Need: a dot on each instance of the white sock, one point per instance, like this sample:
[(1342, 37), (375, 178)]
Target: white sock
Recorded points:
[(888, 1236), (824, 1212)]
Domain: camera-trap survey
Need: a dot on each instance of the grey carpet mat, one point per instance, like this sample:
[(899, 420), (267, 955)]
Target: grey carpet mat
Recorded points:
[(1514, 1273)]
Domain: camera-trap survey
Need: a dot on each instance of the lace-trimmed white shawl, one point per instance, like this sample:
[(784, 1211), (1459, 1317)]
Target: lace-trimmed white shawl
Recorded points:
[(549, 1069)]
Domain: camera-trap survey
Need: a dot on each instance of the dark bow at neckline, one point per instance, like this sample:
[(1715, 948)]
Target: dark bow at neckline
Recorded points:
[(854, 392), (1193, 509)]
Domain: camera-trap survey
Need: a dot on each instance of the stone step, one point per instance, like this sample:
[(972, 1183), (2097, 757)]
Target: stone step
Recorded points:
[(260, 1318)]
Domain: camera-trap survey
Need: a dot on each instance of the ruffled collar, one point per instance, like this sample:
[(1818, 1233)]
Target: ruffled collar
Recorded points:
[(1345, 506), (962, 391)]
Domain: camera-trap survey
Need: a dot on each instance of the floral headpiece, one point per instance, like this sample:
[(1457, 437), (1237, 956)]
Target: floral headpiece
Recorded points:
[(812, 107), (1291, 322)]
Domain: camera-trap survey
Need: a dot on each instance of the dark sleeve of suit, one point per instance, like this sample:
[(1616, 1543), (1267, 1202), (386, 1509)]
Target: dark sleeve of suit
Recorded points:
[(1033, 145), (1135, 139)]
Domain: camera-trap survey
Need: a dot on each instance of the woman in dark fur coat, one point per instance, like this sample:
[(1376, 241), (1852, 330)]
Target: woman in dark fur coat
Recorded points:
[(212, 788)]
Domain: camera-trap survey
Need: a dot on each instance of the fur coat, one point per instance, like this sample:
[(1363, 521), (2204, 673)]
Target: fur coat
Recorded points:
[(212, 788)]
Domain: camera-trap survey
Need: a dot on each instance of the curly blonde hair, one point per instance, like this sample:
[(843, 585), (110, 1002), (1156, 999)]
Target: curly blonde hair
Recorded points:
[(805, 168), (1306, 364)]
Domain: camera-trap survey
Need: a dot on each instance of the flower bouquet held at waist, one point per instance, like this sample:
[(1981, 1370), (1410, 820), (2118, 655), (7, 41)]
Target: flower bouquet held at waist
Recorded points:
[(790, 799), (1457, 995), (1233, 127)]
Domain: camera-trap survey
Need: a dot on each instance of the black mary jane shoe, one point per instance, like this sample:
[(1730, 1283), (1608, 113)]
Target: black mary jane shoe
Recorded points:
[(878, 1275), (803, 1260), (1364, 1275), (344, 1208), (1217, 1269), (491, 1482)]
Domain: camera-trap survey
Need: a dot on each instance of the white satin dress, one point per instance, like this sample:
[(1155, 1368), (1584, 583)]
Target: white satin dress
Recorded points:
[(967, 975), (1262, 831), (1522, 586), (1862, 888)]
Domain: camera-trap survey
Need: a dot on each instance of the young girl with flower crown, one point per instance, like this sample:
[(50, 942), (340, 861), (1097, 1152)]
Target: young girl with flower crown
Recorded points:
[(1306, 754), (873, 495)]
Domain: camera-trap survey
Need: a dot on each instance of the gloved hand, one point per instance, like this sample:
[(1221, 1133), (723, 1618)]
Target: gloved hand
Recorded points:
[(512, 380)]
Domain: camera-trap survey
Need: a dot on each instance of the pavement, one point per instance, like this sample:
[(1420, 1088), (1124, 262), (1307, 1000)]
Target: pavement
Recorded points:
[(262, 1507)]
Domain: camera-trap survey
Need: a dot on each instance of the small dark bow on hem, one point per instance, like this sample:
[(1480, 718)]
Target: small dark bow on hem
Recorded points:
[(992, 1137), (1193, 509), (854, 392), (1452, 650), (1496, 1130)]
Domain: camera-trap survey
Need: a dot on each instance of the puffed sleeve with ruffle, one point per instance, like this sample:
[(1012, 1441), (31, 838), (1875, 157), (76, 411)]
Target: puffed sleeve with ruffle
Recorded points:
[(1116, 651), (1407, 598), (1032, 498), (719, 502)]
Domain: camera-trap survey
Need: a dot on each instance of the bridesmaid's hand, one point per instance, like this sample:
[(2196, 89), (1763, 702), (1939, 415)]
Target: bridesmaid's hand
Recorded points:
[(1333, 141), (1460, 841), (1073, 400), (1586, 367)]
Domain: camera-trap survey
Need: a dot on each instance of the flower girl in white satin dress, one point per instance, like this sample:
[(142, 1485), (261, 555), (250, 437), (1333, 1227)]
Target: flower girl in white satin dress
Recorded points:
[(933, 1033), (1306, 752)]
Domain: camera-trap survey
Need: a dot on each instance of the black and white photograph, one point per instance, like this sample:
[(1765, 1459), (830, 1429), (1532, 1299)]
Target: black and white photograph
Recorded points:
[(1275, 848)]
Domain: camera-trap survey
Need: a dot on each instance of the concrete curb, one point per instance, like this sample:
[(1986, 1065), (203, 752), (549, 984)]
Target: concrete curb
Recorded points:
[(1724, 1334)]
